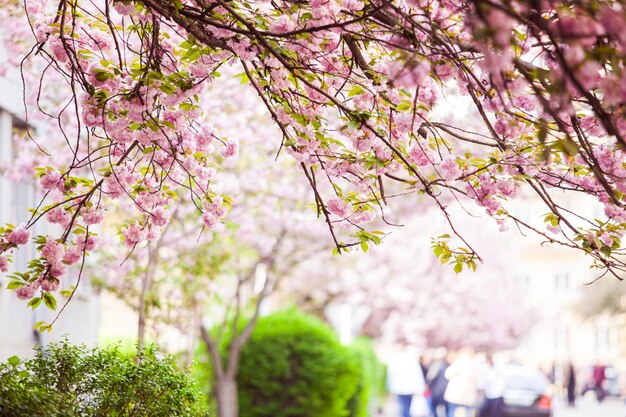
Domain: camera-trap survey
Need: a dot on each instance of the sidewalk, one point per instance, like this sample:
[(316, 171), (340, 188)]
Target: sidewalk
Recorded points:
[(589, 407), (585, 407)]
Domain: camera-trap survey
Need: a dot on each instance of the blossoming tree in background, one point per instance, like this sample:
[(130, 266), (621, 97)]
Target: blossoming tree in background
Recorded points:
[(404, 296), (356, 89), (205, 285)]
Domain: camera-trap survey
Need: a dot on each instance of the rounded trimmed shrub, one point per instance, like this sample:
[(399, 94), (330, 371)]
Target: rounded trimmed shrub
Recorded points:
[(294, 366), (369, 395), (64, 380)]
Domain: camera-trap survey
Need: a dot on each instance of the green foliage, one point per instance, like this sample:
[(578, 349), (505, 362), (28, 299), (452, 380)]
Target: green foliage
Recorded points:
[(63, 380), (293, 365), (202, 372), (371, 387), (461, 256)]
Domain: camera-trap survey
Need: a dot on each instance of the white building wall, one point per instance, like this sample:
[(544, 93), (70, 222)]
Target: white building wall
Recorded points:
[(80, 319), (555, 282), (16, 321)]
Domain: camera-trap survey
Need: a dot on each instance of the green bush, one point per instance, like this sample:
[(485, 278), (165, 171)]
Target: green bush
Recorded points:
[(294, 366), (368, 396), (202, 372), (63, 380)]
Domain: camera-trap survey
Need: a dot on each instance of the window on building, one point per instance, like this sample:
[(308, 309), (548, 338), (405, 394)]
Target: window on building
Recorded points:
[(561, 337), (562, 282), (602, 336)]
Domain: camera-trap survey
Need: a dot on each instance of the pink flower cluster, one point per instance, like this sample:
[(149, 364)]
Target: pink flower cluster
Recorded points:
[(213, 212)]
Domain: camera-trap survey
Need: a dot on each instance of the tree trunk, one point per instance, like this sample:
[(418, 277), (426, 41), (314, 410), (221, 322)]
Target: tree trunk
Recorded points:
[(146, 287), (226, 393)]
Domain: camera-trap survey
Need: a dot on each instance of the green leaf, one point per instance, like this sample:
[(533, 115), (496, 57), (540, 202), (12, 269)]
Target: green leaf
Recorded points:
[(356, 90), (404, 106), (472, 265), (13, 361), (103, 75), (14, 285), (364, 246), (458, 267), (244, 77), (49, 301), (34, 302)]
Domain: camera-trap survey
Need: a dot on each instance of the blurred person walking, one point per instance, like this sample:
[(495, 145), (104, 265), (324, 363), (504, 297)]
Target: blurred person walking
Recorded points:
[(405, 379), (437, 384), (570, 384), (598, 377), (462, 390), (493, 385)]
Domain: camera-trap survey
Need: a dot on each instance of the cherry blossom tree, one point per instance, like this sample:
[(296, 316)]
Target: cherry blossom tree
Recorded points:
[(357, 90), (408, 297), (206, 284)]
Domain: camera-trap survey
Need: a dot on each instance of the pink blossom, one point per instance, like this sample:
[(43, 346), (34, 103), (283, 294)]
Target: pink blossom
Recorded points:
[(408, 75), (554, 229), (418, 156), (444, 71), (89, 243), (502, 127), (160, 216), (53, 251), (4, 264), (576, 26), (58, 215), (153, 232), (363, 101), (26, 292), (593, 126), (19, 236), (491, 204), (50, 284), (209, 219), (606, 239), (72, 256), (364, 216), (283, 24), (508, 188), (232, 148), (57, 48), (526, 102), (216, 209), (383, 153), (613, 211), (338, 207), (50, 180), (589, 75), (428, 94), (57, 270), (450, 168), (93, 216), (204, 138), (124, 9)]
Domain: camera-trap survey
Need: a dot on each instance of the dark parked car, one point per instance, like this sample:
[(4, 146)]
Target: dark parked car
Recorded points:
[(526, 393)]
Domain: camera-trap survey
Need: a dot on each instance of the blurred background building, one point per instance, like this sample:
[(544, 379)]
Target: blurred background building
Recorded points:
[(80, 319)]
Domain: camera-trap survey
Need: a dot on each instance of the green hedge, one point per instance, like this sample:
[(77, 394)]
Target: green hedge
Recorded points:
[(371, 388), (294, 366), (63, 380)]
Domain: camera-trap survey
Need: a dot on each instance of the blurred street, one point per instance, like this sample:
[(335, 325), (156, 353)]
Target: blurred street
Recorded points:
[(589, 407), (585, 407)]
